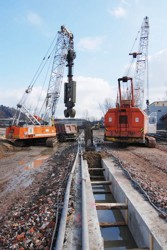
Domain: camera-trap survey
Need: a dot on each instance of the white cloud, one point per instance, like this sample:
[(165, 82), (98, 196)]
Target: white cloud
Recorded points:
[(157, 75), (37, 22), (118, 12), (34, 19), (13, 97), (90, 43), (10, 98), (93, 91), (158, 55), (90, 93)]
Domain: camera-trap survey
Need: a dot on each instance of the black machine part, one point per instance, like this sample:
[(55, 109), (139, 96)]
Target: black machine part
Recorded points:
[(70, 86), (69, 98)]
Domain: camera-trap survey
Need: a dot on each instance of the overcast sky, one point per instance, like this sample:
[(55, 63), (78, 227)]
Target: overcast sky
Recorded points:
[(104, 32)]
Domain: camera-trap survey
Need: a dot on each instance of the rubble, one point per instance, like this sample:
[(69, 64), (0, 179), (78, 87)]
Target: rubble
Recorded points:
[(30, 224)]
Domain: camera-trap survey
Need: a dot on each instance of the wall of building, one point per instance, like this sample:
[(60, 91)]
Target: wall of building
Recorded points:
[(161, 109)]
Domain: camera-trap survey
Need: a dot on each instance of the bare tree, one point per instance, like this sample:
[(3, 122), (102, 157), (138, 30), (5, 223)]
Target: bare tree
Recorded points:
[(165, 95), (86, 115), (104, 107)]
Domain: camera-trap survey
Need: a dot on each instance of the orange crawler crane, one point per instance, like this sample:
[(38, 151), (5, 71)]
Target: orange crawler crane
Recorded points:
[(30, 128), (126, 123)]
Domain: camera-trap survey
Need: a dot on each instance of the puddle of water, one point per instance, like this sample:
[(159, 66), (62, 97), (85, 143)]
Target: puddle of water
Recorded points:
[(35, 163), (101, 198), (106, 216), (27, 167), (117, 238), (114, 237)]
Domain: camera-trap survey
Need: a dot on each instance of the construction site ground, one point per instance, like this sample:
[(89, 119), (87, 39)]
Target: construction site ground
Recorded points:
[(30, 178), (146, 166)]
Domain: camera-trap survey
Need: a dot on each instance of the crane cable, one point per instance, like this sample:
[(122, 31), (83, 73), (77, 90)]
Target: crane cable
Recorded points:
[(127, 73), (47, 73), (38, 72), (132, 60)]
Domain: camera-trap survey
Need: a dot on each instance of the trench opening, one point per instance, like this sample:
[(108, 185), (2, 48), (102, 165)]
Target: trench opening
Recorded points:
[(114, 230)]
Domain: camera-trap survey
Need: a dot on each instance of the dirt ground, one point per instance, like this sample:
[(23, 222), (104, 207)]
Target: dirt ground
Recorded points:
[(31, 181), (19, 167)]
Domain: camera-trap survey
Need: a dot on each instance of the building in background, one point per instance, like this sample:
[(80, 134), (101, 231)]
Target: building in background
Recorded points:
[(164, 120), (160, 107)]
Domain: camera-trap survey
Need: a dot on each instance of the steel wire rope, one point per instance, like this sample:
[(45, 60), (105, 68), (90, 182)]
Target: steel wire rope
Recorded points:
[(132, 60), (140, 187), (46, 76), (127, 73), (30, 88), (47, 52), (47, 91), (135, 40), (38, 72)]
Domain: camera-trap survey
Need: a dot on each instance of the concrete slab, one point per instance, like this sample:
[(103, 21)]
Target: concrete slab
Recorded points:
[(148, 230)]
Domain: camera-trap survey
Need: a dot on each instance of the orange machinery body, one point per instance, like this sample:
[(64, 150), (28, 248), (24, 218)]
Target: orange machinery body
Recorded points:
[(128, 124), (30, 132)]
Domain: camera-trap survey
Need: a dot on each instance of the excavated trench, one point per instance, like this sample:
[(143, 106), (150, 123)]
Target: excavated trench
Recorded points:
[(114, 236)]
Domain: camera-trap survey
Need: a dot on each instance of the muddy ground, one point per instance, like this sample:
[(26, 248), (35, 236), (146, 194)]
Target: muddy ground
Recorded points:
[(32, 181)]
